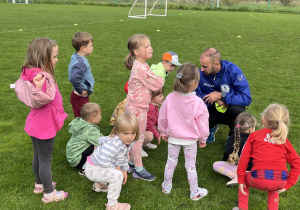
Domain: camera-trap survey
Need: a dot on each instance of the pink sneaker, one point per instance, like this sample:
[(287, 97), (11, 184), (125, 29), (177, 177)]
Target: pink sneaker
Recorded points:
[(118, 206), (38, 188), (55, 196)]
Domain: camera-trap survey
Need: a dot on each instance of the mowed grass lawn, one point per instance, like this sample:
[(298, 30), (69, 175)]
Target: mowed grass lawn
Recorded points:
[(267, 51)]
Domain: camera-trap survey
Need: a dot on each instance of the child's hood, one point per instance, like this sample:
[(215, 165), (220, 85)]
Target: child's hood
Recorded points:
[(29, 74), (78, 125)]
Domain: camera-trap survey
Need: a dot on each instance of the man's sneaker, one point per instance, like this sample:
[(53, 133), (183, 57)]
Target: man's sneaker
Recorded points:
[(165, 189), (150, 146), (143, 153), (81, 172), (201, 192), (232, 182), (144, 174), (212, 133), (131, 168)]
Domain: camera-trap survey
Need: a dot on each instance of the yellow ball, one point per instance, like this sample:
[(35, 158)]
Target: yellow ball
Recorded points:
[(220, 108)]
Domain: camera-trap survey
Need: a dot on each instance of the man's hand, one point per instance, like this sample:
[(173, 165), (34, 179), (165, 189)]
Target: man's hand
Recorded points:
[(221, 104), (212, 97)]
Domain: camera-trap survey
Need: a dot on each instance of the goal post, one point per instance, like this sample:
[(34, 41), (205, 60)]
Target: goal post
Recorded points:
[(144, 8)]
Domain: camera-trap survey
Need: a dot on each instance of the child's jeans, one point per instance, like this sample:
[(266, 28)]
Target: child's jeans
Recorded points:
[(269, 185), (141, 116), (77, 102), (190, 153), (111, 176), (225, 168)]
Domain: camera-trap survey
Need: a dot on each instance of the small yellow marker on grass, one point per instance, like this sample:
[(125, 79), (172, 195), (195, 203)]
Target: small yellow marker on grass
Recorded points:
[(75, 24), (20, 29), (158, 30), (239, 37)]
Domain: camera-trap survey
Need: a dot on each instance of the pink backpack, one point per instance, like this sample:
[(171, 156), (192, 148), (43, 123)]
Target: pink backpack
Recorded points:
[(29, 95)]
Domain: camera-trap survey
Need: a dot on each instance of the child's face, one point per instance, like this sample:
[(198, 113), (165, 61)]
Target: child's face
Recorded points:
[(127, 137), (144, 52), (54, 56), (169, 67), (88, 50), (97, 119), (158, 99)]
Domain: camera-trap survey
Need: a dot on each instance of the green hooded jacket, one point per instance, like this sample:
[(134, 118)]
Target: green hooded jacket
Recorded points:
[(84, 134)]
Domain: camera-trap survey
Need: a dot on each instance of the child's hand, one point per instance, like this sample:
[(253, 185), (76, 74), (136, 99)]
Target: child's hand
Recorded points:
[(84, 93), (165, 138), (202, 145), (39, 81), (159, 139), (125, 177), (281, 191), (242, 186)]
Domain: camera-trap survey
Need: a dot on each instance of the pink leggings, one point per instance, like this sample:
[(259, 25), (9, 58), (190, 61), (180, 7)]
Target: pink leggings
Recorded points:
[(190, 153), (271, 186), (225, 168), (141, 116)]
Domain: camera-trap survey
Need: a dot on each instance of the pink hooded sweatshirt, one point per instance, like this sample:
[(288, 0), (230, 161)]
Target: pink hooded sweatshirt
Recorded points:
[(44, 122)]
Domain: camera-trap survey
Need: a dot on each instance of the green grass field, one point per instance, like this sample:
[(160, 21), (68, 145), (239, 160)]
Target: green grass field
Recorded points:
[(267, 52)]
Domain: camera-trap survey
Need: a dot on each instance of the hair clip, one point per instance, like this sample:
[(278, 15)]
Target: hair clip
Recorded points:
[(179, 75), (238, 125), (279, 120), (130, 54), (246, 124)]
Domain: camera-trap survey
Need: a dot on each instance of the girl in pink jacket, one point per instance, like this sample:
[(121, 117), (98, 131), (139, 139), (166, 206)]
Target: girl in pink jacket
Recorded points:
[(141, 82), (43, 123), (183, 121)]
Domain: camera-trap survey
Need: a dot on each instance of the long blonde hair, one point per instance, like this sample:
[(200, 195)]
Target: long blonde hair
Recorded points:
[(134, 42), (39, 55), (276, 117)]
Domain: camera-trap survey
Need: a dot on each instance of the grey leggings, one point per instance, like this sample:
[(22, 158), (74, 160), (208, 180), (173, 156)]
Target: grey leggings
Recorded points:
[(41, 163)]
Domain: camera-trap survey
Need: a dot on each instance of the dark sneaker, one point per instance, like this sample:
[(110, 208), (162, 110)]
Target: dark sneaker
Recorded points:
[(212, 133), (131, 168), (144, 174)]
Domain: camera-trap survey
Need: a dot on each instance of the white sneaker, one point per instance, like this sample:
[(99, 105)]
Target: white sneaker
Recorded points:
[(150, 146), (232, 182), (144, 154)]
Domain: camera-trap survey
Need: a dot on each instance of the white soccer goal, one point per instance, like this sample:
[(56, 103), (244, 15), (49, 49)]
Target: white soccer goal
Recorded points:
[(144, 8), (20, 1)]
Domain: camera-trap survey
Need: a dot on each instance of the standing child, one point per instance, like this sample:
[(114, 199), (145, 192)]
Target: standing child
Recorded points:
[(245, 124), (43, 123), (85, 134), (80, 73), (109, 163), (270, 150), (167, 65), (141, 82), (157, 99), (184, 124)]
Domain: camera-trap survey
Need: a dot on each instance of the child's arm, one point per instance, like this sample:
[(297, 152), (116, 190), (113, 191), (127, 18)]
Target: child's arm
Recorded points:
[(202, 122), (151, 120), (39, 81), (148, 78), (163, 120), (124, 174), (78, 71)]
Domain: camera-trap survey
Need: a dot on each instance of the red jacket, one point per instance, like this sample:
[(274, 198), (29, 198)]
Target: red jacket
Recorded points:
[(269, 156), (152, 120)]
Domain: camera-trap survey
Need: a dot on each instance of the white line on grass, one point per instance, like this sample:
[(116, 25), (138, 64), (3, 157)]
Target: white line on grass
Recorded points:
[(92, 23)]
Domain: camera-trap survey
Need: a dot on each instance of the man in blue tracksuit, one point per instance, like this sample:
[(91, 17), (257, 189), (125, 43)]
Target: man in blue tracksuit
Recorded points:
[(224, 89)]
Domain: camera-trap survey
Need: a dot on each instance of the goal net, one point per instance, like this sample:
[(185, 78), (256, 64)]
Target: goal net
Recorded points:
[(144, 8)]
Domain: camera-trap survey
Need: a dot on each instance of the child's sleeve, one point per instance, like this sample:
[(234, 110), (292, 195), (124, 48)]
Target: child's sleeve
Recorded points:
[(202, 122), (244, 160), (162, 119), (94, 135), (294, 160), (151, 120), (79, 70), (150, 80)]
